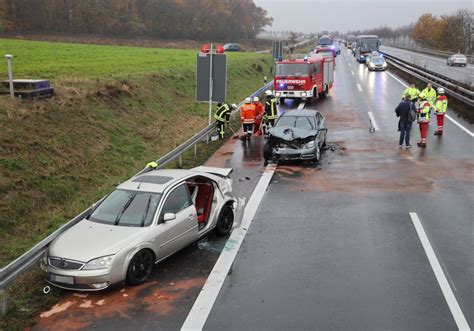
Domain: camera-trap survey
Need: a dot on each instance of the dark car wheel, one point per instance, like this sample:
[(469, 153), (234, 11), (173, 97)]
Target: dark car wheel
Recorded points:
[(140, 267), (225, 221), (318, 154), (267, 152)]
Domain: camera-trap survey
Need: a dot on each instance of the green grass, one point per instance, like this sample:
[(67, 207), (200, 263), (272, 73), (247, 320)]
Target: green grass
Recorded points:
[(56, 61), (116, 108)]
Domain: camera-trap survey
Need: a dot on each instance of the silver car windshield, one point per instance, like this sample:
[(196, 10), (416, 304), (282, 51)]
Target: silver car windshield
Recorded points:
[(127, 208), (300, 122)]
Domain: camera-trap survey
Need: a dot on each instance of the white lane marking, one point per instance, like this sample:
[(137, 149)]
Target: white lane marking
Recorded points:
[(453, 304), (352, 72), (201, 309), (396, 78), (372, 120), (359, 87), (447, 116), (459, 125), (302, 104)]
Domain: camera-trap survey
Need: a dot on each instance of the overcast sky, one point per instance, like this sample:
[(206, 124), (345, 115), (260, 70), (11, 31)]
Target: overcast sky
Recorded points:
[(344, 15)]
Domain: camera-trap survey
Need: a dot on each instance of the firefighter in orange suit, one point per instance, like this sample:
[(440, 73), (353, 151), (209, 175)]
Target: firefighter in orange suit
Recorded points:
[(260, 112), (423, 118), (440, 110), (247, 115)]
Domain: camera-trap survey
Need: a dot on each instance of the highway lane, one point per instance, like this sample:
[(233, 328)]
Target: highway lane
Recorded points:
[(352, 257), (334, 247), (433, 63)]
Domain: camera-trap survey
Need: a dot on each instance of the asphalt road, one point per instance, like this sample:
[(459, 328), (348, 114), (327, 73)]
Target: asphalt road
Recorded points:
[(433, 63), (332, 246)]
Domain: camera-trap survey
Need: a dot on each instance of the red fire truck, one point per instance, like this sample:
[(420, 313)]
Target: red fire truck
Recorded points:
[(304, 77)]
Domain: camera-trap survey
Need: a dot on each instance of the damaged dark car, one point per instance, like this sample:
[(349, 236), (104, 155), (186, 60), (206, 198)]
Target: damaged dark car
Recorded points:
[(297, 135)]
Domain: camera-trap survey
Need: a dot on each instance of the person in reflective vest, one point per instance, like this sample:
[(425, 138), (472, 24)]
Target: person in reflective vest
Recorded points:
[(222, 116), (423, 119), (412, 91), (440, 110), (271, 111), (430, 94), (248, 112), (260, 110)]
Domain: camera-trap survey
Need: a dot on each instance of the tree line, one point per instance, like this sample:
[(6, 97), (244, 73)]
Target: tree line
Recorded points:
[(167, 19), (447, 32)]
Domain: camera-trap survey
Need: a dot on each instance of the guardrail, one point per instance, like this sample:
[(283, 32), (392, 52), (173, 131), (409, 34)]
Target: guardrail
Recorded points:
[(435, 52), (458, 90), (17, 267)]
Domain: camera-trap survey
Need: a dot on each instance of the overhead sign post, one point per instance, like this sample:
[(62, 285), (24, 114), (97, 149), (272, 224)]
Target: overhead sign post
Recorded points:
[(211, 78), (277, 49)]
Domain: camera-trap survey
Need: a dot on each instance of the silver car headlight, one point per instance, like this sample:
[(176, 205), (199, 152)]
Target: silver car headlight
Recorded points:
[(310, 144), (103, 262), (384, 64)]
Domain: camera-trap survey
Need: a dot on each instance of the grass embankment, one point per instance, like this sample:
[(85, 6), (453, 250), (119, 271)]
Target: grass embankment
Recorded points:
[(115, 109)]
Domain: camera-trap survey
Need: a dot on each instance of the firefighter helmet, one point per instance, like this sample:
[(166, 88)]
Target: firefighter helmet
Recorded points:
[(256, 99), (268, 92), (441, 90), (248, 100)]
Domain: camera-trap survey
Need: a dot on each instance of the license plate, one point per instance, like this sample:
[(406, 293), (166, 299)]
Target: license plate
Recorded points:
[(62, 279)]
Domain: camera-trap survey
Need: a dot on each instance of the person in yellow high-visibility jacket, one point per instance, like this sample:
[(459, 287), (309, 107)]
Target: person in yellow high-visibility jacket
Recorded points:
[(430, 94), (412, 92), (440, 110)]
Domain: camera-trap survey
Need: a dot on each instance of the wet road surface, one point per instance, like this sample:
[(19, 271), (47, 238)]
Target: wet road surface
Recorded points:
[(433, 63), (332, 245)]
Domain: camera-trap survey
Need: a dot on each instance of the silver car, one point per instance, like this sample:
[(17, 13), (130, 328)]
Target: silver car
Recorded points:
[(142, 222), (457, 60)]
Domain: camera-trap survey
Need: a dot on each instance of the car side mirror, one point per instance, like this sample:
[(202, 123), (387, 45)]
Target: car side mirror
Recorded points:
[(169, 217)]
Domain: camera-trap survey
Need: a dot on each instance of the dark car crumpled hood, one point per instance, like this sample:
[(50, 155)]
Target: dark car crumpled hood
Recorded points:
[(291, 134)]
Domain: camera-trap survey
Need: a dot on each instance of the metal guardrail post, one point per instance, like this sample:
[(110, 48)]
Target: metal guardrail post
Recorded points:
[(3, 293), (195, 149)]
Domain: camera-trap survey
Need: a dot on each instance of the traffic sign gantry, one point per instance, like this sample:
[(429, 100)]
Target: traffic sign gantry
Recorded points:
[(211, 78)]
